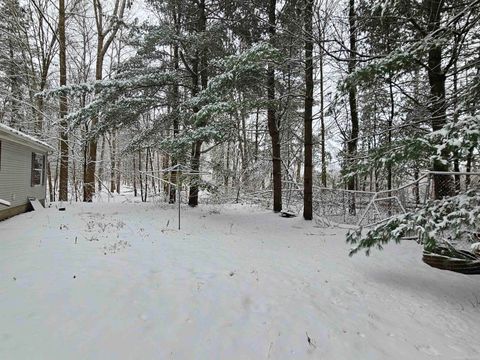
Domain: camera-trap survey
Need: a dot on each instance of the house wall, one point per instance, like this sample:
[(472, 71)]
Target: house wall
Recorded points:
[(15, 175)]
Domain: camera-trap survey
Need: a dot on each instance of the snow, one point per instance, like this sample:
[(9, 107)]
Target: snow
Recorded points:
[(24, 137), (117, 280), (5, 202)]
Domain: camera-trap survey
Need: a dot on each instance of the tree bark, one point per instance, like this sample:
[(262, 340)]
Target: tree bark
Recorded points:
[(256, 134), (140, 177), (352, 101), (436, 77), (468, 167), (89, 176), (322, 115), (118, 170), (200, 61), (113, 164), (135, 193), (63, 185), (175, 95), (51, 189), (101, 163), (273, 122), (390, 125), (308, 170), (152, 170), (103, 43)]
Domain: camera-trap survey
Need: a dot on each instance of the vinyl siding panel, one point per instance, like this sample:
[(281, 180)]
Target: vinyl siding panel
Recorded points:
[(15, 174)]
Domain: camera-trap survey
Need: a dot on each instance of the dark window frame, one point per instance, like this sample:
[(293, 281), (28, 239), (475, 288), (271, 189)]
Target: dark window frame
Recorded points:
[(38, 172)]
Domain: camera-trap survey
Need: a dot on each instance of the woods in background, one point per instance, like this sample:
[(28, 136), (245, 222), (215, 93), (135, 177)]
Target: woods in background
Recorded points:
[(259, 96)]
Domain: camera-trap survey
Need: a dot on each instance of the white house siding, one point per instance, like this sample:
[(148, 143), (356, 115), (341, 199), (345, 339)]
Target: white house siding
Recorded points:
[(15, 174)]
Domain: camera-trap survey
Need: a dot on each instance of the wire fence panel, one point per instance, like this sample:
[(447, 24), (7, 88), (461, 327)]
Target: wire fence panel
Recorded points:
[(337, 206), (363, 208), (360, 208)]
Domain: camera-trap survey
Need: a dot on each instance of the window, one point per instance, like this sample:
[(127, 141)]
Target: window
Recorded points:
[(38, 166)]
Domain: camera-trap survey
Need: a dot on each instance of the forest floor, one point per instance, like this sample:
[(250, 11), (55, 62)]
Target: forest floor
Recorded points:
[(117, 280)]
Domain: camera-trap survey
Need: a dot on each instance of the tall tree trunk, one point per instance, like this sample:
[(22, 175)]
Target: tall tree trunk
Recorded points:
[(89, 176), (40, 99), (118, 166), (245, 148), (140, 177), (201, 60), (468, 166), (74, 173), (456, 161), (55, 179), (390, 125), (145, 179), (103, 43), (101, 165), (152, 171), (308, 169), (227, 172), (416, 175), (63, 186), (322, 114), (51, 188), (15, 91), (352, 101), (134, 177), (113, 157), (436, 78), (195, 165), (175, 95), (273, 122), (256, 134)]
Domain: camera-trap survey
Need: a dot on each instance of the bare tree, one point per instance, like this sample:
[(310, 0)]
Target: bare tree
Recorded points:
[(106, 33)]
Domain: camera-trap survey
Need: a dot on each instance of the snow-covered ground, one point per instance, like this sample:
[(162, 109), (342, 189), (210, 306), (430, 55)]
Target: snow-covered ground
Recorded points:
[(118, 281)]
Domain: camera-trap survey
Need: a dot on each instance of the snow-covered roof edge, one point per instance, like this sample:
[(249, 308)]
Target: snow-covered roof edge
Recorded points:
[(23, 138)]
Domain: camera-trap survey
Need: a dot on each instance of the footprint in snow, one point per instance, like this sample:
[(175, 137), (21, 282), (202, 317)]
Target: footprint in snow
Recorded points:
[(427, 349)]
